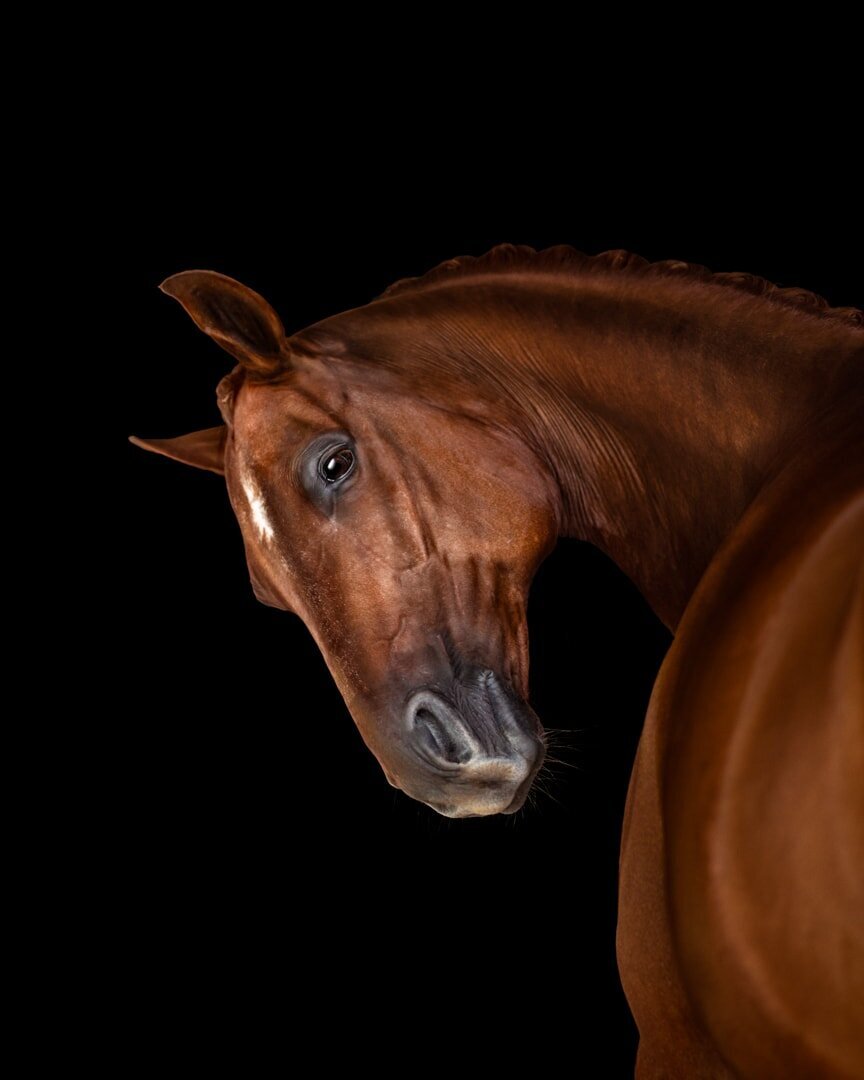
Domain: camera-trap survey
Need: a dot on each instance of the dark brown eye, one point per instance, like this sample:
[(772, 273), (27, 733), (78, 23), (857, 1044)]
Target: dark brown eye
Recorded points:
[(336, 465)]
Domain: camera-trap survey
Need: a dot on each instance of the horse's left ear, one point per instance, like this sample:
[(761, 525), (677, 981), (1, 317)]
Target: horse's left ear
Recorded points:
[(203, 449), (237, 318)]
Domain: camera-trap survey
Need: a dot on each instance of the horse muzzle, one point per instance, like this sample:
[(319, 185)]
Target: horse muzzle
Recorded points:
[(475, 752)]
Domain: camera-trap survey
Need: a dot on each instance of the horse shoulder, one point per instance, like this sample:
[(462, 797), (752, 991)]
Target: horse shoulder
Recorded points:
[(761, 777)]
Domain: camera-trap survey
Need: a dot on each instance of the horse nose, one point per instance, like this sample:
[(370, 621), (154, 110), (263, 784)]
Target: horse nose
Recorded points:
[(473, 755), (439, 733)]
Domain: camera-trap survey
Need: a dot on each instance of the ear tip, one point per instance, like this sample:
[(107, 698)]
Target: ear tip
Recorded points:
[(171, 285), (178, 284)]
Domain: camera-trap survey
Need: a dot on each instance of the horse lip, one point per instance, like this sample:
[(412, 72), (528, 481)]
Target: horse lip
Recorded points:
[(518, 800)]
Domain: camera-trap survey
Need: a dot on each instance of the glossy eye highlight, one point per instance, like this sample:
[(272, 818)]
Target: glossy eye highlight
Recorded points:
[(336, 465)]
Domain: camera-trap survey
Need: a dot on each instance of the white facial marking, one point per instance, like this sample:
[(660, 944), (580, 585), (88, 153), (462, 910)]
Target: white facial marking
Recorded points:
[(258, 507)]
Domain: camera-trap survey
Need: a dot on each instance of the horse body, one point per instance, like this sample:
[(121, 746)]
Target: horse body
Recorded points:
[(740, 941), (708, 440)]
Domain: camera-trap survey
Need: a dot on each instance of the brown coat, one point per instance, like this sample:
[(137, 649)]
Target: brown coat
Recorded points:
[(399, 471)]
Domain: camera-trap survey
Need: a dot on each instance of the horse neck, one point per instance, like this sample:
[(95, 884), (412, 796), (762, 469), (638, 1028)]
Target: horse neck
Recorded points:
[(661, 408), (664, 413)]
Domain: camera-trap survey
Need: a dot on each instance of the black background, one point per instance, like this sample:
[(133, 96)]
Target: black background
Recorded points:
[(261, 850)]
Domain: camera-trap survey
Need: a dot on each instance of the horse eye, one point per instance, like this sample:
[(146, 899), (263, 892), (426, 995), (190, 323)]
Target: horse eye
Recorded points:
[(336, 466)]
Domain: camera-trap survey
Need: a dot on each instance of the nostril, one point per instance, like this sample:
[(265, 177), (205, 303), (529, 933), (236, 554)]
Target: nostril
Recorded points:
[(439, 737)]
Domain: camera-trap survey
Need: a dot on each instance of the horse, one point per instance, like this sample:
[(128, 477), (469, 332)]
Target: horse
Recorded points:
[(400, 470)]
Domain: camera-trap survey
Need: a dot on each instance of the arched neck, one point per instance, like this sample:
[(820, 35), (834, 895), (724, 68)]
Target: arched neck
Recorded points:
[(660, 407)]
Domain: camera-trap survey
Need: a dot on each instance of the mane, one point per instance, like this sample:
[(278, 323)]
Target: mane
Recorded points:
[(566, 259)]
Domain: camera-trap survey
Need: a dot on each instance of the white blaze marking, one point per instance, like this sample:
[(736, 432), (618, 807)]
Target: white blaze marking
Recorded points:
[(258, 507)]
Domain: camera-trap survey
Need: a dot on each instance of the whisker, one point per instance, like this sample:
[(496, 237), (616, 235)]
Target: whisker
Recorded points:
[(542, 789)]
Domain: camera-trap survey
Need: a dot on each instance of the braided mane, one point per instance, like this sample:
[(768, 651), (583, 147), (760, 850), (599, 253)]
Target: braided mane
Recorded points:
[(563, 258)]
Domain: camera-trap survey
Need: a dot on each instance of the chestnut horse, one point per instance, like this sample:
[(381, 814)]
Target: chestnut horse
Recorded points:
[(400, 470)]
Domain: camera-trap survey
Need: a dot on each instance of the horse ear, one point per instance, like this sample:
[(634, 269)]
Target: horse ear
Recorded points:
[(237, 318), (203, 449)]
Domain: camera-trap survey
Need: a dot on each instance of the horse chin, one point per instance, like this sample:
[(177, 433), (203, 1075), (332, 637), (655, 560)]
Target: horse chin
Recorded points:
[(488, 808)]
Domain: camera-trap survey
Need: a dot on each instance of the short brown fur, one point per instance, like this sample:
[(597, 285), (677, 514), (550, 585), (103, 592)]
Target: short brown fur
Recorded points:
[(707, 432)]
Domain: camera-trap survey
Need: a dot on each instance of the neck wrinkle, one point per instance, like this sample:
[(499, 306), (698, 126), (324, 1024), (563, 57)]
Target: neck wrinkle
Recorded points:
[(657, 475)]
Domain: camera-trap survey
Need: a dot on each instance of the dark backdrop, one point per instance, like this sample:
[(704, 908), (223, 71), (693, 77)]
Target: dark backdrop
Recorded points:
[(260, 846)]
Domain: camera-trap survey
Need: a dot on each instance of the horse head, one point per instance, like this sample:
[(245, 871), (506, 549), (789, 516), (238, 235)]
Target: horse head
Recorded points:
[(402, 519)]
